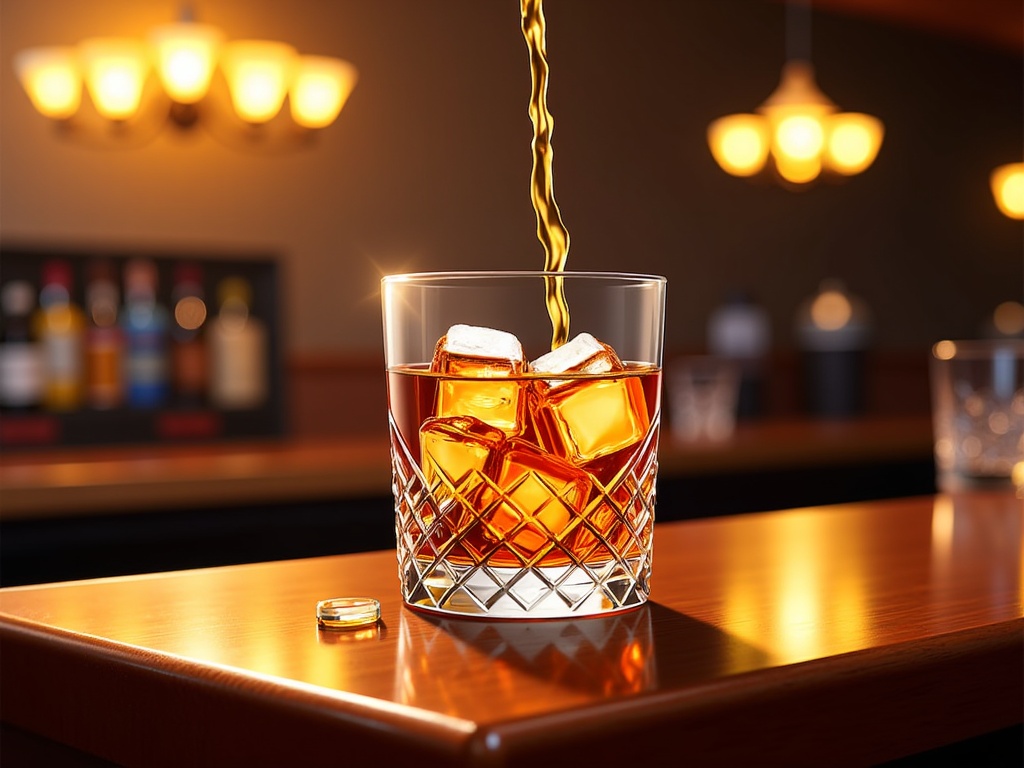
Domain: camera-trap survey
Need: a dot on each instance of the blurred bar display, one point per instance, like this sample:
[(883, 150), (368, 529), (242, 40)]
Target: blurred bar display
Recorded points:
[(116, 348)]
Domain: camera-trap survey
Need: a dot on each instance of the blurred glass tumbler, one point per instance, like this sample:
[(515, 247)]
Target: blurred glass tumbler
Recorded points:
[(978, 411), (523, 479), (703, 397)]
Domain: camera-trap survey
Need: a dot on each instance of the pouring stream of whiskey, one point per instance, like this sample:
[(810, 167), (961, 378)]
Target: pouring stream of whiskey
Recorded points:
[(550, 230)]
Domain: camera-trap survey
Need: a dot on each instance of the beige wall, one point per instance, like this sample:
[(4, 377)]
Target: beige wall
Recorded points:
[(428, 166)]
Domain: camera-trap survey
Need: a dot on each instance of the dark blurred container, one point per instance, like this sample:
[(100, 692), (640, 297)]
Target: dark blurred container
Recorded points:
[(833, 331), (739, 330)]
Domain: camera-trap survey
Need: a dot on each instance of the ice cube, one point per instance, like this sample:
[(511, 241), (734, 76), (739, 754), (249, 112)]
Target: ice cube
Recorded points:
[(456, 456), (534, 499), (480, 360), (585, 419), (584, 354), (590, 418), (456, 452), (472, 350)]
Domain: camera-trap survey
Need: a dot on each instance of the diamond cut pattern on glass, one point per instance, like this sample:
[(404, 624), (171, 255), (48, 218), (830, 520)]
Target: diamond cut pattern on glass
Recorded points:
[(532, 547)]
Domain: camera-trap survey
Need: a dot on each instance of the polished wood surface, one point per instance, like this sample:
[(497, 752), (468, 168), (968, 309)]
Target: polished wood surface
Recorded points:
[(142, 478), (840, 635)]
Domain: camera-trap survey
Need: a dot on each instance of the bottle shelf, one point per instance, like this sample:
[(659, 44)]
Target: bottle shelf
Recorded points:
[(240, 330)]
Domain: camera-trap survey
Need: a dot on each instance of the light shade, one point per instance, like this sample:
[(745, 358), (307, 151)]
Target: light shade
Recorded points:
[(1008, 189), (52, 79), (797, 112), (320, 87), (115, 72), (797, 170), (185, 56), (853, 142), (739, 143), (258, 74)]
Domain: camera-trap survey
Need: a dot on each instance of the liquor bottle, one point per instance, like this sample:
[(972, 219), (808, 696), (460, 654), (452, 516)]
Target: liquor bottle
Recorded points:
[(145, 331), (238, 349), (59, 325), (189, 369), (104, 341), (21, 366)]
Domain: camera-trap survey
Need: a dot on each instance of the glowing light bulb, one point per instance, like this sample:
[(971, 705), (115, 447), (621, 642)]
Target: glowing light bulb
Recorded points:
[(186, 56), (799, 137), (258, 74), (51, 78), (853, 142), (798, 171), (739, 143), (944, 350), (831, 310), (1008, 189), (320, 89), (115, 73), (1008, 318)]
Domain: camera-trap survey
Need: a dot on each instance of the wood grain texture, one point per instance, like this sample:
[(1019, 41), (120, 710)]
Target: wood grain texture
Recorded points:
[(842, 635)]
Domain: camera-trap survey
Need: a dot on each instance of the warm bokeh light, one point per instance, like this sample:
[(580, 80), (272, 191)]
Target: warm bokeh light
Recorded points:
[(797, 171), (52, 79), (739, 143), (185, 55), (258, 74), (802, 130), (320, 88), (1008, 318), (115, 71), (1008, 189), (944, 350), (943, 520), (831, 310), (190, 312), (853, 142), (799, 137), (814, 597), (185, 58)]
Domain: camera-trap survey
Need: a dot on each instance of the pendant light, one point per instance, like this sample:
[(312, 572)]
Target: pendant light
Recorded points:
[(797, 128)]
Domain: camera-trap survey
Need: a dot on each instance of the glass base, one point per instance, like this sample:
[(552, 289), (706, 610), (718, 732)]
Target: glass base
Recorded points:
[(528, 593)]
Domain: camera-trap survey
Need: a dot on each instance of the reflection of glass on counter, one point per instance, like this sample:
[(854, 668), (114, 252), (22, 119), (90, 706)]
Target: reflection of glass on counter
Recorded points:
[(971, 529), (238, 349), (609, 655)]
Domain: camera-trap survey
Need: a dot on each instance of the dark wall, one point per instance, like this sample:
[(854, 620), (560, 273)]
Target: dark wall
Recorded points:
[(917, 235), (428, 166)]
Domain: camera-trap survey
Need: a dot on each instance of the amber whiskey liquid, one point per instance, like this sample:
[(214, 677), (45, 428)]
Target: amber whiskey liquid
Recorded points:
[(550, 485)]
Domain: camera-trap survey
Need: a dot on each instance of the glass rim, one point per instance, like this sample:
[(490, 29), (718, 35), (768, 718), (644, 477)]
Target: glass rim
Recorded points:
[(453, 275)]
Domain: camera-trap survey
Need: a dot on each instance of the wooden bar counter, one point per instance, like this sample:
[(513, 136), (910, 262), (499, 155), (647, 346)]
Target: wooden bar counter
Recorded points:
[(838, 635), (113, 480)]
